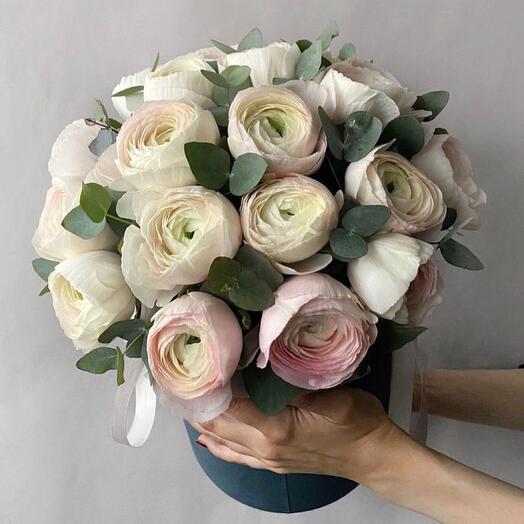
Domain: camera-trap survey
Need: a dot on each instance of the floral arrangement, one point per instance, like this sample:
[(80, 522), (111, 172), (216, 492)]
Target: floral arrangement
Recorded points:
[(271, 212)]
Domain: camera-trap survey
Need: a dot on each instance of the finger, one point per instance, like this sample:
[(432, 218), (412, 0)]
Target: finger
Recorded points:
[(224, 453), (330, 403), (240, 448)]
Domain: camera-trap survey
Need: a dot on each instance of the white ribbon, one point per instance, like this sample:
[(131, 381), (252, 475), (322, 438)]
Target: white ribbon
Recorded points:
[(135, 432)]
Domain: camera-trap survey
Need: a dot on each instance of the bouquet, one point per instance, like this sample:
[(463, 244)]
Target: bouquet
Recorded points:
[(270, 212)]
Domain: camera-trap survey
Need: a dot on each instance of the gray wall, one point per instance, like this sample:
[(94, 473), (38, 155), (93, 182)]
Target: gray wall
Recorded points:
[(57, 460)]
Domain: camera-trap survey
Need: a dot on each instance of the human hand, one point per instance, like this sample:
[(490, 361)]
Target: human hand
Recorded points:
[(341, 432)]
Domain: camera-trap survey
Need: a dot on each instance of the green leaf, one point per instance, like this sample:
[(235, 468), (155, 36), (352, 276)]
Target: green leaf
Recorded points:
[(252, 293), (119, 367), (334, 139), (434, 101), (279, 81), (247, 171), (209, 163), (459, 255), (145, 360), (223, 275), (43, 267), (213, 64), (223, 47), (393, 336), (100, 112), (451, 218), (266, 389), (134, 347), (78, 223), (43, 291), (98, 360), (330, 32), (155, 63), (457, 226), (214, 78), (224, 96), (366, 220), (103, 140), (362, 132), (235, 75), (407, 133), (347, 244), (128, 91), (221, 114), (260, 264), (347, 51), (126, 329), (309, 62), (252, 40), (95, 201), (440, 131), (115, 124), (303, 44)]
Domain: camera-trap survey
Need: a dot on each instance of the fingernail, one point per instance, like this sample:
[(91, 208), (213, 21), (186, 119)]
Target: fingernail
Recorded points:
[(201, 443)]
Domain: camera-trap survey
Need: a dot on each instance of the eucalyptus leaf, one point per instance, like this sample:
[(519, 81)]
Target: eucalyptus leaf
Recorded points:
[(303, 44), (407, 133), (459, 255), (252, 293), (309, 62), (223, 47), (221, 114), (209, 164), (235, 75), (366, 220), (347, 244), (44, 291), (327, 35), (95, 200), (440, 131), (277, 81), (393, 336), (334, 138), (247, 171), (98, 360), (78, 223), (434, 101), (214, 78), (261, 265), (145, 360), (125, 329), (134, 347), (266, 389), (128, 91), (347, 52), (100, 112), (43, 267), (115, 124), (102, 141), (223, 275), (455, 228), (119, 367), (155, 63), (451, 218), (362, 132), (252, 40)]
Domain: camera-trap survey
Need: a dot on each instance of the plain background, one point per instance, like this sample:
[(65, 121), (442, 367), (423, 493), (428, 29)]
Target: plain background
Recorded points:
[(58, 462)]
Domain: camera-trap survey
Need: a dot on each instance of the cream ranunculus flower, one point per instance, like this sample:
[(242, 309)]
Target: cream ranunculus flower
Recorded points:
[(348, 96), (150, 145), (52, 241), (71, 160), (388, 179), (444, 161), (89, 294), (382, 277), (369, 74), (181, 231), (289, 220), (281, 124), (277, 60), (127, 105), (180, 79)]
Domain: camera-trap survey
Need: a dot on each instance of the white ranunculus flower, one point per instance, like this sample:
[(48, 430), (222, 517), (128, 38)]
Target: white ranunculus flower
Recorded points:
[(180, 79), (277, 60), (150, 144), (210, 53), (71, 159), (52, 241), (126, 105), (105, 171), (349, 96), (89, 294), (289, 219), (382, 277), (388, 179), (444, 162), (365, 72), (281, 124), (182, 230)]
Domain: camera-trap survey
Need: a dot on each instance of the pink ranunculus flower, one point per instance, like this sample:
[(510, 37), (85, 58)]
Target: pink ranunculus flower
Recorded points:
[(424, 293), (193, 349), (317, 332)]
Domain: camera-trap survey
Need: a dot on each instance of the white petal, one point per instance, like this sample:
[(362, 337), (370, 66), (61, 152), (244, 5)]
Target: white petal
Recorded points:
[(304, 267), (126, 105)]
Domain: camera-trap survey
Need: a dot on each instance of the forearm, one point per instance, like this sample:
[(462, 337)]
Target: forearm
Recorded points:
[(484, 396), (427, 482)]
